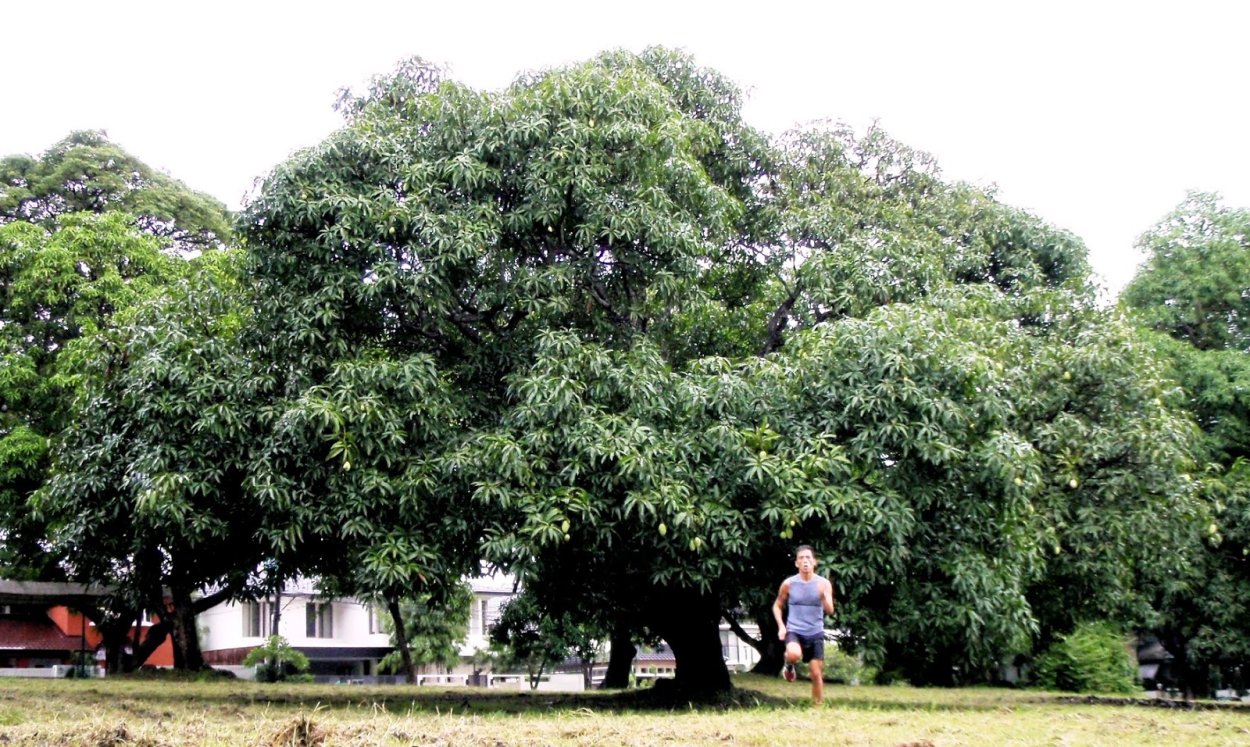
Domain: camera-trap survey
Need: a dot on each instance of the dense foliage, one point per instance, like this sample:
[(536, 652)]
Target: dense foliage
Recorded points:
[(57, 286), (1193, 288), (598, 330)]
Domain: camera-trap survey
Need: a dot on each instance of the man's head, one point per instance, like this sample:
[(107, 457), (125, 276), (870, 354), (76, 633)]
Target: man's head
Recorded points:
[(805, 559)]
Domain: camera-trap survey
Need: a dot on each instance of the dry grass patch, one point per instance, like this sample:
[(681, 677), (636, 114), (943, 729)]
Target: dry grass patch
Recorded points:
[(764, 711)]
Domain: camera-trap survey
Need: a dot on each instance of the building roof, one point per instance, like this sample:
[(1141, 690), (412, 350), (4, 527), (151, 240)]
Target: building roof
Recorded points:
[(35, 635), (49, 592)]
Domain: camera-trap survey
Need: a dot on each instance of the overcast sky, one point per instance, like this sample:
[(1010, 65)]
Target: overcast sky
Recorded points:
[(1097, 116)]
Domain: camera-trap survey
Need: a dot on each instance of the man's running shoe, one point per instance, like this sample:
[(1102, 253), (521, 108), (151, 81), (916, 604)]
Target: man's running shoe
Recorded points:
[(789, 673)]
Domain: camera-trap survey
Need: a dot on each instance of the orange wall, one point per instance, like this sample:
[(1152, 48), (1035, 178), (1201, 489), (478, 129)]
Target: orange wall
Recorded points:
[(71, 624)]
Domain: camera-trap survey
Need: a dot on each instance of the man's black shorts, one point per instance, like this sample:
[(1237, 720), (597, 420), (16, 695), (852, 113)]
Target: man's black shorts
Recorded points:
[(813, 646)]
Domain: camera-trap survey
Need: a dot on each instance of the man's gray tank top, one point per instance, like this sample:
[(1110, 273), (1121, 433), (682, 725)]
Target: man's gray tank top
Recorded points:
[(807, 612)]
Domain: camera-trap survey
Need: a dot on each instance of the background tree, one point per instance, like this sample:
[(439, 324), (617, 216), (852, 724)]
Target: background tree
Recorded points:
[(70, 262), (434, 627), (1192, 288), (56, 286), (86, 172), (528, 637), (149, 490), (1192, 285)]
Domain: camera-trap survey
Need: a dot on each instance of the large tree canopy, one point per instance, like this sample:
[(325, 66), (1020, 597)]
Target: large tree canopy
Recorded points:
[(595, 259)]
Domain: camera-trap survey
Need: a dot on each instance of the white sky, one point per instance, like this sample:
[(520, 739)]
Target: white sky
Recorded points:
[(1095, 115)]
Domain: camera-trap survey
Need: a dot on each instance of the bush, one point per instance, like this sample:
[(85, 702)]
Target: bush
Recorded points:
[(280, 661), (1091, 659), (843, 668)]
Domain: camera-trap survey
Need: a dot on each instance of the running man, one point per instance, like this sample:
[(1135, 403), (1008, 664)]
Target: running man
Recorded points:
[(810, 598)]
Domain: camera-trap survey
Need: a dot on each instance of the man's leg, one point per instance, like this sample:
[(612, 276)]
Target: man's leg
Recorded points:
[(817, 667), (794, 652)]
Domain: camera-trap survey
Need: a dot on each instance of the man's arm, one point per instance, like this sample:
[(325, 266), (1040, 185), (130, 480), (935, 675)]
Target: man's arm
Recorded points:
[(783, 594), (826, 596)]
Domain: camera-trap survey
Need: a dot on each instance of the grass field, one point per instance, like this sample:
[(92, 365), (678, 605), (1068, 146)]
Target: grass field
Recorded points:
[(764, 711)]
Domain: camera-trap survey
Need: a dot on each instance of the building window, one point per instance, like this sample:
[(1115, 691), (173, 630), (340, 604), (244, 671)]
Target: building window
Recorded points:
[(255, 619), (375, 624), (319, 620), (482, 616)]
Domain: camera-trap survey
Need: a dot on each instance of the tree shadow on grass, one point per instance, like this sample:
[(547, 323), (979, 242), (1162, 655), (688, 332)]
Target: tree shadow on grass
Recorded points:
[(401, 699), (409, 699)]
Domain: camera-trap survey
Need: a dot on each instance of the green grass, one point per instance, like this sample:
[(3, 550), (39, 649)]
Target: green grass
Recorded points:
[(763, 711)]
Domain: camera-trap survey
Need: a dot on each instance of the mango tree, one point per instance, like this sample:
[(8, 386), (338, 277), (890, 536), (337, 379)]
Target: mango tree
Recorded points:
[(1192, 291), (659, 350), (149, 489)]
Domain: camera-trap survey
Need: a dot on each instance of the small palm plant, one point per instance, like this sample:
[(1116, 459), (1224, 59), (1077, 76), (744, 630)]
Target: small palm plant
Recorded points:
[(278, 660)]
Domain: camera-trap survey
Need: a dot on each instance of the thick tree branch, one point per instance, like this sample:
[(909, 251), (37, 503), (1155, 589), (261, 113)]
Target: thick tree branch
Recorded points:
[(755, 643), (212, 600), (777, 324)]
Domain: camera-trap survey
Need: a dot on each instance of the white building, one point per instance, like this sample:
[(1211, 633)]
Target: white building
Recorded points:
[(490, 594), (340, 637), (343, 638)]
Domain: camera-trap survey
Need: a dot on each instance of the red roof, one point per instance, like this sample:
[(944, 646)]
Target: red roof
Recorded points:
[(35, 635)]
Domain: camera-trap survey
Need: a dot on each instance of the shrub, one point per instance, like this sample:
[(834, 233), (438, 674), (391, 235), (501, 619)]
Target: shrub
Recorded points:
[(843, 668), (280, 660), (1091, 659)]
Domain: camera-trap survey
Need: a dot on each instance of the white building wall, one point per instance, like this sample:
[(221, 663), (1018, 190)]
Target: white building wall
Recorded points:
[(490, 603), (222, 627)]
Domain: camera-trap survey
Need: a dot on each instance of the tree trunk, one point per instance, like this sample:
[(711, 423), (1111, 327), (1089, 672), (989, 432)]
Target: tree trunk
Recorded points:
[(114, 629), (155, 637), (401, 639), (771, 650), (187, 653), (115, 635), (620, 660), (1182, 673), (131, 645), (690, 625), (273, 664), (277, 612)]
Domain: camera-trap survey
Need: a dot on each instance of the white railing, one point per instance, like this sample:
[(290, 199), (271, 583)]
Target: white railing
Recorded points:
[(507, 680), (56, 670), (554, 682), (443, 679)]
